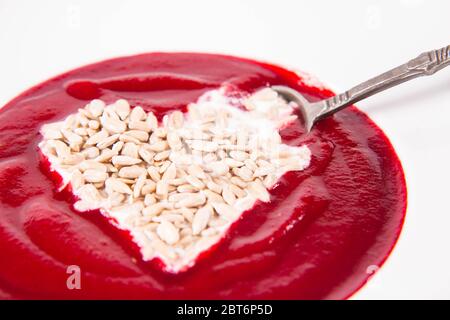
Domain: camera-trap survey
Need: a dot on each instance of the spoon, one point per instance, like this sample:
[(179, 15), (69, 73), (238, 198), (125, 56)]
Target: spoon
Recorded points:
[(424, 65)]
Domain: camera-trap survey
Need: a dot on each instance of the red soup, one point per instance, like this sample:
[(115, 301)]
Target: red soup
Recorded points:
[(344, 212)]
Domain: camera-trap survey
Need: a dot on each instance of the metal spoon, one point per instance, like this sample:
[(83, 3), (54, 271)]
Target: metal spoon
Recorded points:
[(424, 65)]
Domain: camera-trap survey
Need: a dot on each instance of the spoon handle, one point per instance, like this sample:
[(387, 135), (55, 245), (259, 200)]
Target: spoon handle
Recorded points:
[(424, 65)]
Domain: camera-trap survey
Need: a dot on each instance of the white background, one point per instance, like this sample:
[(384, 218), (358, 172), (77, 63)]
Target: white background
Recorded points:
[(341, 42)]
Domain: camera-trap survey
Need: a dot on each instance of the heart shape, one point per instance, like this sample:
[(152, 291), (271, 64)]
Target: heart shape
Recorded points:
[(176, 186)]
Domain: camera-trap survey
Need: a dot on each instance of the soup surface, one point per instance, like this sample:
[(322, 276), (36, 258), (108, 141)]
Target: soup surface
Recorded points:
[(324, 231)]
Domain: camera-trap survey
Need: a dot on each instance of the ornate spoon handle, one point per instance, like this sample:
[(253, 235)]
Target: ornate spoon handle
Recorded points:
[(424, 65)]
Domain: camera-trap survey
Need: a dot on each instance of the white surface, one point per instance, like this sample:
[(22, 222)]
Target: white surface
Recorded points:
[(341, 42)]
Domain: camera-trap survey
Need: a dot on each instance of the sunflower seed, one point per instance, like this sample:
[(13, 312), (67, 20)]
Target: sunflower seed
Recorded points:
[(51, 133), (91, 152), (186, 188), (244, 173), (176, 182), (162, 188), (106, 142), (96, 138), (153, 210), (140, 125), (92, 165), (72, 159), (149, 200), (154, 173), (167, 232), (233, 163), (176, 119), (263, 171), (140, 182), (138, 134), (239, 155), (238, 182), (117, 186), (228, 195), (106, 155), (160, 156), (218, 168), (77, 179), (195, 182), (191, 200), (124, 161), (158, 146), (137, 114), (132, 172), (152, 121), (122, 108), (214, 186), (212, 196), (201, 219), (170, 173), (258, 190), (226, 211), (196, 171), (96, 107), (146, 155), (174, 140), (94, 176), (94, 124), (130, 149), (113, 125), (149, 187), (206, 146)]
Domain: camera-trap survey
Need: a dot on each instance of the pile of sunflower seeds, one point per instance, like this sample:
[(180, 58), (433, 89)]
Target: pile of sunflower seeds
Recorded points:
[(178, 185)]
